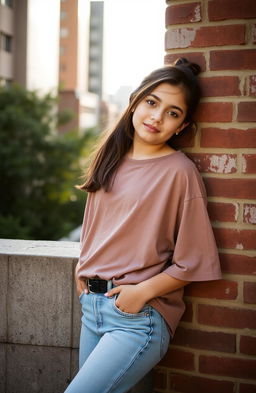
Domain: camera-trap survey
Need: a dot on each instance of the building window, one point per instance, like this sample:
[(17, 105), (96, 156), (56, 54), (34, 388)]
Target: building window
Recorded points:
[(63, 15), (8, 3), (6, 42), (64, 32)]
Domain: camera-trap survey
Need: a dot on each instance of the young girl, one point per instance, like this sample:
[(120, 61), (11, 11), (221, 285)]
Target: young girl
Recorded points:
[(146, 234)]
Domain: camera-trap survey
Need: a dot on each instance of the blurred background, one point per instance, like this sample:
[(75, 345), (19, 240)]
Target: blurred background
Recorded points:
[(67, 68)]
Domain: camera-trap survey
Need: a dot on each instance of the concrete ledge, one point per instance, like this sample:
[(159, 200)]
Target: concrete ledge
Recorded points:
[(40, 316)]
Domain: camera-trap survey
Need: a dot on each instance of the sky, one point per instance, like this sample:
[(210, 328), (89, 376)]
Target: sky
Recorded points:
[(133, 41)]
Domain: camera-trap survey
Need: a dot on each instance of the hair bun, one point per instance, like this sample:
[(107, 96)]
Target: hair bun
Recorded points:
[(183, 62)]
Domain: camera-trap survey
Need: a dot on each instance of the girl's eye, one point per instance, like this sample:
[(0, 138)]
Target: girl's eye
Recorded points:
[(173, 114), (150, 102)]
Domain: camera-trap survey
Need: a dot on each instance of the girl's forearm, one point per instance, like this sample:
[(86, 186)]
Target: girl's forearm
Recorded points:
[(160, 285)]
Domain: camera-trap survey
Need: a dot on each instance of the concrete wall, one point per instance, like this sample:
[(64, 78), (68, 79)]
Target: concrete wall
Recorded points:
[(40, 316)]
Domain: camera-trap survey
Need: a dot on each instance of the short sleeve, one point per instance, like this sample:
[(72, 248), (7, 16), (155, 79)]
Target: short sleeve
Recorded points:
[(195, 256)]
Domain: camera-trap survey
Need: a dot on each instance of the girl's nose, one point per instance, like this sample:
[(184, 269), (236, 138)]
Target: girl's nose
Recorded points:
[(156, 116)]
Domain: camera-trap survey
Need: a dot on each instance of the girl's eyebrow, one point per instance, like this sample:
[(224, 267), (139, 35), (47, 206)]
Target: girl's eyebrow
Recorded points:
[(171, 106)]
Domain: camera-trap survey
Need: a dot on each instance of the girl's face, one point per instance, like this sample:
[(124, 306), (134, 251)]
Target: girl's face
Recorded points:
[(159, 115)]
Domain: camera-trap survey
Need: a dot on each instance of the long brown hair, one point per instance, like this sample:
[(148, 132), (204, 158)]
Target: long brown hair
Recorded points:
[(115, 144)]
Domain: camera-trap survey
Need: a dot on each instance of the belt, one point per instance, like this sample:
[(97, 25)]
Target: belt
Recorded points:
[(97, 285)]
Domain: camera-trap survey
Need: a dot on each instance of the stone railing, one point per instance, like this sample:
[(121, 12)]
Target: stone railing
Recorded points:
[(39, 317)]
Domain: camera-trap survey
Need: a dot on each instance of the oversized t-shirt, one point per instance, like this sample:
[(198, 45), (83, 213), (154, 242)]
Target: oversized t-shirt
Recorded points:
[(154, 219)]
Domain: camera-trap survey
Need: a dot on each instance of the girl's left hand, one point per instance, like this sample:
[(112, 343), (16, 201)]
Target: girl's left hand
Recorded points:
[(130, 298)]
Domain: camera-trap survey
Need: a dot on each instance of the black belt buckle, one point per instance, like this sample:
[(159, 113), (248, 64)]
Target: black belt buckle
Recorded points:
[(96, 285)]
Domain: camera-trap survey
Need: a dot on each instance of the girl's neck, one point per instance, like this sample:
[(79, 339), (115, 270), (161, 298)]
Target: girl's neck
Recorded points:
[(140, 152)]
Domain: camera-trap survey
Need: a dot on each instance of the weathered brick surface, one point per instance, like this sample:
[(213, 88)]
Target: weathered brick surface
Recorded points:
[(249, 213), (238, 264), (225, 366), (183, 13), (220, 86), (215, 163), (193, 384), (248, 345), (231, 188), (236, 59), (246, 111), (231, 9), (200, 37), (227, 317), (212, 112), (214, 341), (233, 138), (250, 292), (222, 212), (222, 289)]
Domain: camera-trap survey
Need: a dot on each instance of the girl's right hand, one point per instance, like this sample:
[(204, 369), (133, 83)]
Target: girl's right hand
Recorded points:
[(80, 284)]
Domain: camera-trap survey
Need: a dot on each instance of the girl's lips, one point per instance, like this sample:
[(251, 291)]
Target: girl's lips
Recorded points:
[(151, 128)]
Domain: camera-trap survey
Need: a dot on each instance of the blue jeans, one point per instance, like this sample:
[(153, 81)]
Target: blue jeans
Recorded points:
[(116, 348)]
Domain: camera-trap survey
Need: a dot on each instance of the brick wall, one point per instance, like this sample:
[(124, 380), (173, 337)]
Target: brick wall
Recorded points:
[(215, 345)]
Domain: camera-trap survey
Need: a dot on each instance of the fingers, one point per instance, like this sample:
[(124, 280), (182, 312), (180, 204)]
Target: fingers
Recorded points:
[(81, 287), (113, 291)]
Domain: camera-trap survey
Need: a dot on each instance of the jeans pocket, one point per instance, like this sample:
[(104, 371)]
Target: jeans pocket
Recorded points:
[(145, 312)]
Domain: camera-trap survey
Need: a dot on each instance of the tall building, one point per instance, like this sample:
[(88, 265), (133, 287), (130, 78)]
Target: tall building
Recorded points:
[(77, 21), (29, 50)]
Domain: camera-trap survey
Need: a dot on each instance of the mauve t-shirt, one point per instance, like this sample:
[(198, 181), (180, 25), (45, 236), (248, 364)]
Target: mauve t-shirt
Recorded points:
[(153, 220)]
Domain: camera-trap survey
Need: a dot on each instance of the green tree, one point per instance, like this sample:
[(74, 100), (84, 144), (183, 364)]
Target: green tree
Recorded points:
[(39, 168)]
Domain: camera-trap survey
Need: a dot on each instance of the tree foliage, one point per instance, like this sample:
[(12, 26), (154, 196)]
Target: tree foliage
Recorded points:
[(39, 168)]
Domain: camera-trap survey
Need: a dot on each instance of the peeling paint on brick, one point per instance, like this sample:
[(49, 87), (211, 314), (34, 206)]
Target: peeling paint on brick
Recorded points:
[(239, 246), (244, 164), (237, 210), (181, 38), (250, 214), (222, 164), (253, 33), (253, 85), (197, 14)]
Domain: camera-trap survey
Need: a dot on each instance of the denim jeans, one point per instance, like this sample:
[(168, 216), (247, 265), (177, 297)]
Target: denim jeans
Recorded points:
[(116, 348)]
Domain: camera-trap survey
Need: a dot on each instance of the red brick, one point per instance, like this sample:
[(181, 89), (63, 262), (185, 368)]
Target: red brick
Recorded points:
[(250, 292), (226, 317), (228, 367), (200, 37), (238, 264), (246, 388), (199, 339), (183, 13), (215, 163), (222, 212), (246, 111), (176, 358), (159, 379), (228, 138), (220, 86), (194, 57), (236, 59), (249, 163), (221, 289), (188, 314), (235, 238), (252, 85), (192, 384), (231, 9), (212, 112), (248, 345), (230, 188), (249, 213)]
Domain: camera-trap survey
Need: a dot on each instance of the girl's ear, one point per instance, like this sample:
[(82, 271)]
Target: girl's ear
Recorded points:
[(183, 125)]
